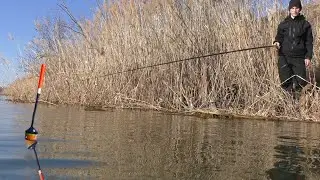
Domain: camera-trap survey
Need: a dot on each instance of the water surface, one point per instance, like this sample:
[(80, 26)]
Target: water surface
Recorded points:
[(127, 144)]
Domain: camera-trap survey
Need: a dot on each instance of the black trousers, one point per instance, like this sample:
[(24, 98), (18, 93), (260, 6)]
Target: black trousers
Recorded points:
[(289, 66)]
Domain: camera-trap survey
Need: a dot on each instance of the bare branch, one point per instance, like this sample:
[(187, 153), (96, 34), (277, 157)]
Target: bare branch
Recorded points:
[(66, 10)]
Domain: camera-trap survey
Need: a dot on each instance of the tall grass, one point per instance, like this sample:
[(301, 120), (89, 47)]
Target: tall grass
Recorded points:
[(129, 34)]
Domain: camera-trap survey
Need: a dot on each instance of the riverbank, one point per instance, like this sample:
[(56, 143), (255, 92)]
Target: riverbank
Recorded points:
[(130, 35), (213, 114), (199, 113)]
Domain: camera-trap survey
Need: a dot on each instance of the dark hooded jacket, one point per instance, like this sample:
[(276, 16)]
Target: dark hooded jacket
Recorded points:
[(295, 37)]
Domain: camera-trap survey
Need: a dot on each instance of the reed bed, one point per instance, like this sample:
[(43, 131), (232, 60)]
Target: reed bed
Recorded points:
[(129, 34)]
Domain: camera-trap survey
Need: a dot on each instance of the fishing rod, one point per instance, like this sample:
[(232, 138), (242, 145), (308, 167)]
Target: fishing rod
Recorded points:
[(31, 133), (188, 59)]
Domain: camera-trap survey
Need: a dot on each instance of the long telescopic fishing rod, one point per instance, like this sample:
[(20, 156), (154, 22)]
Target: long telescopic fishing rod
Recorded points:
[(31, 133), (187, 59)]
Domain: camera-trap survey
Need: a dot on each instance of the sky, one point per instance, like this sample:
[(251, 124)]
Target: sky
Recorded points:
[(17, 28)]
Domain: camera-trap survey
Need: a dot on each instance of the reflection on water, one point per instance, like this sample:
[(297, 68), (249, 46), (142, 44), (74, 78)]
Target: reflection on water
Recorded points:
[(126, 144), (297, 153)]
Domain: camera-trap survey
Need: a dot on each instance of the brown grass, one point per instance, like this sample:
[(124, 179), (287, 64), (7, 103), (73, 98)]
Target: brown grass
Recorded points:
[(131, 34)]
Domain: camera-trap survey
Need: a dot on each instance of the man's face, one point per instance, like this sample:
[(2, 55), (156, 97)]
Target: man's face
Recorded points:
[(294, 11)]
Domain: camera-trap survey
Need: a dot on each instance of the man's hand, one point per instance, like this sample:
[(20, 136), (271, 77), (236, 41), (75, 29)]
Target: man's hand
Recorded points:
[(307, 62), (277, 44)]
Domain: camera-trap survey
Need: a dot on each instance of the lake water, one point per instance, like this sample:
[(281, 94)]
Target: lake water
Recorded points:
[(132, 144)]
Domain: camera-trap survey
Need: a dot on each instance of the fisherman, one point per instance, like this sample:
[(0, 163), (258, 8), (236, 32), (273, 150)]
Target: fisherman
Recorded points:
[(294, 41)]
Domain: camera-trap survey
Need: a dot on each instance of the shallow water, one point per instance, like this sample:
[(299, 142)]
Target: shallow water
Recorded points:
[(127, 144)]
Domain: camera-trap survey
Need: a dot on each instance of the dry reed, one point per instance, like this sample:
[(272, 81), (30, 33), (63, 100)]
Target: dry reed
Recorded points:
[(129, 34)]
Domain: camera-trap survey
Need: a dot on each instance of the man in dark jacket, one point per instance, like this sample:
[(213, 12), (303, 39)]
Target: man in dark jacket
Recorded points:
[(294, 41)]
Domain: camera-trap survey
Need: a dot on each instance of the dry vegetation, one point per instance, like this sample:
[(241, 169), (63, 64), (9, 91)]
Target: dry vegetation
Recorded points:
[(130, 34)]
